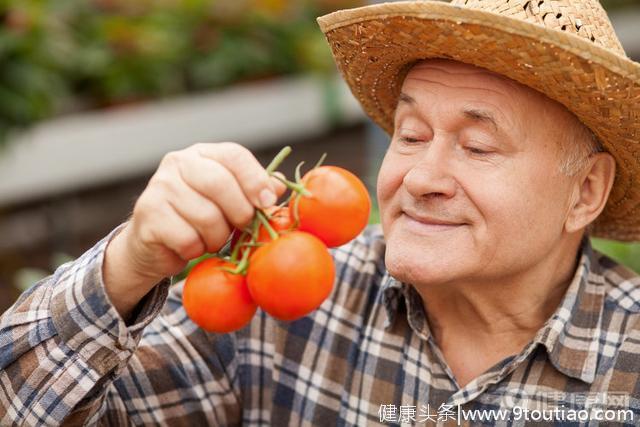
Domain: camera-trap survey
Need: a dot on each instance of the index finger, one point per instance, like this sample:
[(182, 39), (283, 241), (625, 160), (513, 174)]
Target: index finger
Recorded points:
[(250, 174)]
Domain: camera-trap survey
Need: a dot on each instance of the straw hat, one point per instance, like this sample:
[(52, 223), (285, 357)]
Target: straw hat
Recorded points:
[(566, 49)]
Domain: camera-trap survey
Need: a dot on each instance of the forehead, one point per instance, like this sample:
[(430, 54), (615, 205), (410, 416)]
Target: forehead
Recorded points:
[(442, 80), (465, 79)]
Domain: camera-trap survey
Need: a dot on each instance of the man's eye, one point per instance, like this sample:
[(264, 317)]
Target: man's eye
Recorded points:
[(477, 151), (409, 140)]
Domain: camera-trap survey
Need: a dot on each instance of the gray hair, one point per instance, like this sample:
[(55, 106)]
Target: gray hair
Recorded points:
[(576, 146)]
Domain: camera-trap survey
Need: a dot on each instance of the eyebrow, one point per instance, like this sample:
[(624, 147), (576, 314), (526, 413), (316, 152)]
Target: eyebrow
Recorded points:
[(482, 116), (406, 99), (475, 114)]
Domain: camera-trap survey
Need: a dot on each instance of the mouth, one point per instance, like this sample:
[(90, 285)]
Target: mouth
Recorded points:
[(427, 224)]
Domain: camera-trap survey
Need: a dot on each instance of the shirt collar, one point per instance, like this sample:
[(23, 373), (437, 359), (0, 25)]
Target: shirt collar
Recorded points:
[(570, 336), (398, 297), (390, 294)]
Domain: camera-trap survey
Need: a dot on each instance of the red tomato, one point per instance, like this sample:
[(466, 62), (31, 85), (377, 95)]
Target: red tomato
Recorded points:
[(280, 221), (338, 208), (216, 300), (291, 276)]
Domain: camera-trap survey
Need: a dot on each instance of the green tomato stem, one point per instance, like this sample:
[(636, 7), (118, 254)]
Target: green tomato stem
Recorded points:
[(241, 267), (236, 249), (296, 216), (324, 156), (251, 230), (297, 173), (261, 217), (253, 245), (278, 159), (298, 188), (265, 222)]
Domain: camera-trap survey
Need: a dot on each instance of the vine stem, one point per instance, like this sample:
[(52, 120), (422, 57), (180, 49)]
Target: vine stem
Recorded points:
[(298, 188), (253, 232), (234, 252), (324, 156), (241, 268), (265, 223), (261, 218), (278, 159)]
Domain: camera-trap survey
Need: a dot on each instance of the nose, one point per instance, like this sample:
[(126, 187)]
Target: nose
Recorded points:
[(432, 175)]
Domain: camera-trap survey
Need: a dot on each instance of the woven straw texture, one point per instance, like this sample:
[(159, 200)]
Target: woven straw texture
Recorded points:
[(566, 49)]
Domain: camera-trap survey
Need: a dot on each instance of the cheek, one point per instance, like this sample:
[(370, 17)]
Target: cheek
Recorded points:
[(390, 178), (389, 183), (383, 185), (532, 202)]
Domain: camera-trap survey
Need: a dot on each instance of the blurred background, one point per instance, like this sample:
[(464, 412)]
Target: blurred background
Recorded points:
[(94, 92)]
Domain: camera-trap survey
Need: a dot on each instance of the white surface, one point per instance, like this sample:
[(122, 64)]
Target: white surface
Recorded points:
[(76, 152)]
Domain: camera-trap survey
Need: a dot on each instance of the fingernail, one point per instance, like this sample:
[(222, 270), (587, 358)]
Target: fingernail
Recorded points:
[(267, 198)]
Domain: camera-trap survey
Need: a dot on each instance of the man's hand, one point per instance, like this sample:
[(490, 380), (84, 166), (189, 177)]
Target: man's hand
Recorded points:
[(189, 207)]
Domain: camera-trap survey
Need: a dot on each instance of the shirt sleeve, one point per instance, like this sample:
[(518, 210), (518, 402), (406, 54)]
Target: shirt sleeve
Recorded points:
[(62, 344)]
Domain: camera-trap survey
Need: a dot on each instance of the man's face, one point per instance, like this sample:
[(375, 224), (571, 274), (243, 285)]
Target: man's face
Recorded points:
[(470, 188)]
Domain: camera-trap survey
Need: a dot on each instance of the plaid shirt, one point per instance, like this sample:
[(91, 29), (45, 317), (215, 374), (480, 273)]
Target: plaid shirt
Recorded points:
[(366, 357)]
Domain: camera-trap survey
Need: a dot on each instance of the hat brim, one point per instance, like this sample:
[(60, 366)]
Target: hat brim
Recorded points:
[(375, 46)]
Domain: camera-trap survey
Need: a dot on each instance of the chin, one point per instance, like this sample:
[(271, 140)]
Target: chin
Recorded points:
[(430, 257), (413, 265)]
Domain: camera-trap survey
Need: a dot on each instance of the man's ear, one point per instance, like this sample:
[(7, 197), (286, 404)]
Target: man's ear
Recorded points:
[(593, 188)]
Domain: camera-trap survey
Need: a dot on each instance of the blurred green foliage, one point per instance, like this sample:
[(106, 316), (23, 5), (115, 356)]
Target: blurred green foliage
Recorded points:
[(615, 4), (627, 254), (59, 56)]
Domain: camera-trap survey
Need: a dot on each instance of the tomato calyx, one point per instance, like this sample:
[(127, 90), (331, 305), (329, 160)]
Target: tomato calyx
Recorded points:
[(304, 192)]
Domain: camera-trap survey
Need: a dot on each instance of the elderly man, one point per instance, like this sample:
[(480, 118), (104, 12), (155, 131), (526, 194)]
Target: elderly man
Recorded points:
[(479, 300)]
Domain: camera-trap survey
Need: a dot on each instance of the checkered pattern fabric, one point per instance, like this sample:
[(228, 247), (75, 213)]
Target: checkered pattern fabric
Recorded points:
[(365, 357)]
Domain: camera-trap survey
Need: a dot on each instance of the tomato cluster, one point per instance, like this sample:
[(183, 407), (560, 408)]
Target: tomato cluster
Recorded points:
[(280, 263)]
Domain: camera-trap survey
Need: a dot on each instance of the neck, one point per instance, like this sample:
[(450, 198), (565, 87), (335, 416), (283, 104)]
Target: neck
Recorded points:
[(503, 313)]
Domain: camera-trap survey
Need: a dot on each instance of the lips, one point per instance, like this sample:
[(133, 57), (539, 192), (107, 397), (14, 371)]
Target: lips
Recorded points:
[(428, 224), (431, 220)]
